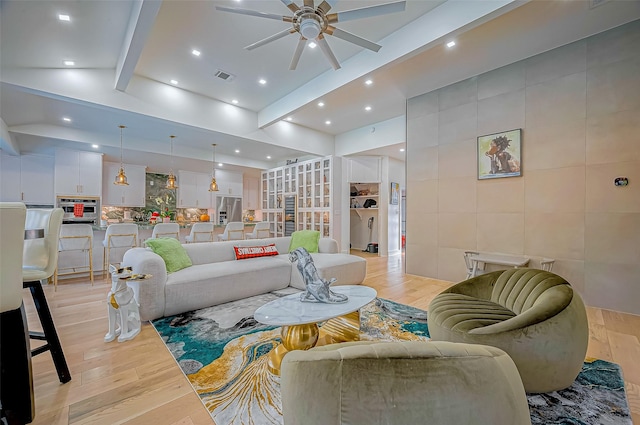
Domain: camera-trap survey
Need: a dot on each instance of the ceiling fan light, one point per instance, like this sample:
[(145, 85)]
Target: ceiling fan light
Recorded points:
[(310, 29)]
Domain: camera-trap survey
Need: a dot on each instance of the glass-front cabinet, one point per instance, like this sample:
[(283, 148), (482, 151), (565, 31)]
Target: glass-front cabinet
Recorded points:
[(310, 182)]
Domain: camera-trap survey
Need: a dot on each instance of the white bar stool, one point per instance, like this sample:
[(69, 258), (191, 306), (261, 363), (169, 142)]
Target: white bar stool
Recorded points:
[(75, 237)]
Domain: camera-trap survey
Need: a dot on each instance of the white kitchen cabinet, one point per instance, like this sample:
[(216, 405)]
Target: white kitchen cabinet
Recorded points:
[(132, 195), (229, 183), (28, 179), (78, 173), (251, 193), (193, 190), (365, 169)]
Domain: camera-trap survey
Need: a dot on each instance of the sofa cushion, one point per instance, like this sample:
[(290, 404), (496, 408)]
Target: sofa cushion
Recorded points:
[(244, 252), (307, 239), (205, 285), (172, 252), (462, 313), (347, 269)]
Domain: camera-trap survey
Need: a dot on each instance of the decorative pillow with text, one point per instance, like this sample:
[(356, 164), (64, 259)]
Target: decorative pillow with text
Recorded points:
[(243, 252)]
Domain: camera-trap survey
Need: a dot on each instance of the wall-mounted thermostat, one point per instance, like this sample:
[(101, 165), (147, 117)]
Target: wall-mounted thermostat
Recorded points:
[(621, 181)]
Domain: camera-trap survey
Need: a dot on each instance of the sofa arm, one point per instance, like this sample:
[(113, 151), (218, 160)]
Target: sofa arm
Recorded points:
[(149, 293), (328, 246)]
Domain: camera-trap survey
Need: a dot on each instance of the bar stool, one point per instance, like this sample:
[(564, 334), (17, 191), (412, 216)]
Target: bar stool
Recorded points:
[(75, 237), (233, 231), (546, 264), (260, 231), (200, 232), (118, 236), (166, 230), (39, 262), (16, 391)]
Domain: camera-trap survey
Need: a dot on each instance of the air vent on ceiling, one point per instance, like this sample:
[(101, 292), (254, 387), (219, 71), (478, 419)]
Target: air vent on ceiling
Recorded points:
[(224, 75)]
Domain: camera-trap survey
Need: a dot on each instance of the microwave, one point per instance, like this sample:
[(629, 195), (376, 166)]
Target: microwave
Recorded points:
[(80, 210)]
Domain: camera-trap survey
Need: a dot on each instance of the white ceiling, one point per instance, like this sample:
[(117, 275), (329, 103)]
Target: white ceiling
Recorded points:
[(143, 45)]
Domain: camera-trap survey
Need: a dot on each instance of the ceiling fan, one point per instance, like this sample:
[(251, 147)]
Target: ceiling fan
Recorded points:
[(312, 23)]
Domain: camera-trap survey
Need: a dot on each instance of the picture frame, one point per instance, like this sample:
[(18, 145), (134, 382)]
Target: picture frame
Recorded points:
[(395, 193), (500, 155)]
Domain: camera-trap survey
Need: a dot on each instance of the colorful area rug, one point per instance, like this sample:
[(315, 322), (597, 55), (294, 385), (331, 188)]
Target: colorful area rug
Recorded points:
[(222, 351)]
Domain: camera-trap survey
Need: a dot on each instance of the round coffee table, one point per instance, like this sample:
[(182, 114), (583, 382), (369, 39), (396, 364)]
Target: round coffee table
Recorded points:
[(299, 321)]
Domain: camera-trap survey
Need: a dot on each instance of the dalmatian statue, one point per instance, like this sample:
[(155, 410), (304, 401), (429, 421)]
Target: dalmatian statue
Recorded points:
[(317, 288), (122, 306)]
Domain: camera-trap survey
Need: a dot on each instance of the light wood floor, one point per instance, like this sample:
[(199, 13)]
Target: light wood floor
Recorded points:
[(138, 382)]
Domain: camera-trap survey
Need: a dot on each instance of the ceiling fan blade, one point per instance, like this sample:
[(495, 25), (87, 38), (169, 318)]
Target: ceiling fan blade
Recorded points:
[(308, 3), (274, 37), (296, 55), (366, 12), (324, 46), (253, 13), (352, 38), (326, 5), (291, 5)]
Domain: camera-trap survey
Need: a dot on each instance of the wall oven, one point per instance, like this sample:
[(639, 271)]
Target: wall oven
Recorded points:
[(80, 210)]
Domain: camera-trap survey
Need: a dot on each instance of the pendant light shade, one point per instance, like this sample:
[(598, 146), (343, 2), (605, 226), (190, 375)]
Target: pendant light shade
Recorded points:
[(171, 180), (213, 187), (121, 178)]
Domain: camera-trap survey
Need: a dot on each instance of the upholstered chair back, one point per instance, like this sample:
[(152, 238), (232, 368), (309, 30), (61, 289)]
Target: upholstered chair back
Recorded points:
[(522, 289), (40, 256), (12, 219)]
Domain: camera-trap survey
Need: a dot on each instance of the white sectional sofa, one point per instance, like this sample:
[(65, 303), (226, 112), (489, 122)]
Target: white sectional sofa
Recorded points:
[(216, 277)]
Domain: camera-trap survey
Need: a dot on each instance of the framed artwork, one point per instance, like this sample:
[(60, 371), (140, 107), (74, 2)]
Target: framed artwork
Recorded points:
[(395, 193), (500, 155)]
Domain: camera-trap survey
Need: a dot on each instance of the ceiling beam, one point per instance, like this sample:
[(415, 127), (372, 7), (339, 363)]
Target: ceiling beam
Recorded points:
[(143, 16)]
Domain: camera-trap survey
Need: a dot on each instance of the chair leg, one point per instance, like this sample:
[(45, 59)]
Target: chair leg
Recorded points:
[(16, 391), (91, 263), (50, 335)]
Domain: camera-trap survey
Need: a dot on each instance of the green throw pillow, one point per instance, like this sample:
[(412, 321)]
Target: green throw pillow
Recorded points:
[(307, 239), (172, 252)]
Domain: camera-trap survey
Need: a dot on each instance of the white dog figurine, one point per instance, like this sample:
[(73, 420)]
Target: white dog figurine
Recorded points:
[(122, 306)]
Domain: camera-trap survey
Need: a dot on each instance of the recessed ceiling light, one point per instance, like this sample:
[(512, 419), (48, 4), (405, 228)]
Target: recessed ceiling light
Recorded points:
[(327, 122), (451, 44), (262, 81), (268, 156), (220, 164), (312, 45), (95, 146), (237, 150), (368, 82), (64, 17), (321, 104), (174, 82), (69, 63), (289, 118), (367, 108), (234, 101), (401, 149), (66, 119), (195, 52)]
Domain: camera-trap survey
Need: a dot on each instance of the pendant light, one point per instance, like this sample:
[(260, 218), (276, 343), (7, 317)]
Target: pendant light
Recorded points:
[(213, 187), (171, 180), (121, 178)]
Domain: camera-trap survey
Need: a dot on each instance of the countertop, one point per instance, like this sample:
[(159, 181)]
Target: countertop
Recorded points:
[(147, 225)]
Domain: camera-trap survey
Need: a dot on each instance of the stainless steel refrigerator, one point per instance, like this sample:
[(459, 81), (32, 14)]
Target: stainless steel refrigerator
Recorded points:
[(228, 209)]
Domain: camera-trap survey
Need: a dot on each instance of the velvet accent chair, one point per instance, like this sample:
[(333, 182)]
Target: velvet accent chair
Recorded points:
[(233, 231), (16, 376), (533, 315), (402, 383), (200, 232)]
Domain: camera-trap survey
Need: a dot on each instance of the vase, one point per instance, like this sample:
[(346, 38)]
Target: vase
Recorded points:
[(166, 219)]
